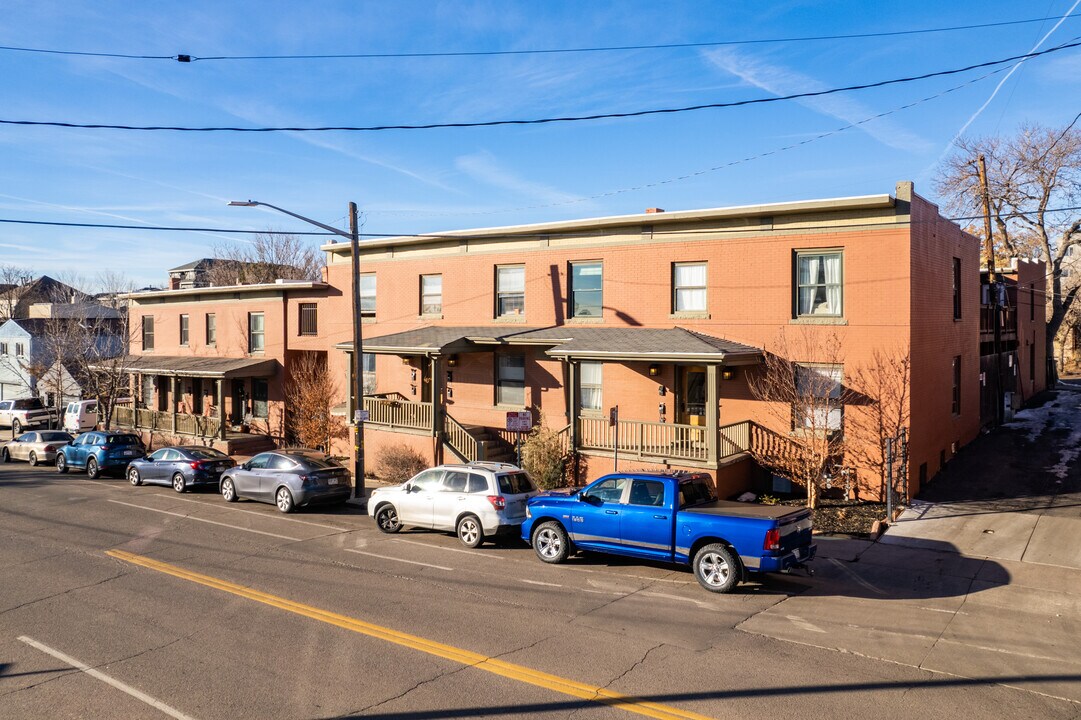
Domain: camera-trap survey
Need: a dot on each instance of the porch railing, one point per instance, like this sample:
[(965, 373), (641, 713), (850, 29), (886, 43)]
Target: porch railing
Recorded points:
[(467, 446), (398, 413), (734, 439), (642, 439), (186, 424)]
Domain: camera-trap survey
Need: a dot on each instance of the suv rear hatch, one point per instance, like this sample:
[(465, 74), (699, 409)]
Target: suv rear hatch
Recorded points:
[(516, 488)]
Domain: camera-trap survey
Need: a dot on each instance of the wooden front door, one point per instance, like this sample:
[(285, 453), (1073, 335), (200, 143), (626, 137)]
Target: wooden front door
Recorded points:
[(692, 395)]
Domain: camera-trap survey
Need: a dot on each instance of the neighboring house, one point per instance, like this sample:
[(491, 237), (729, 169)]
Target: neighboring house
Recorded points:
[(200, 273), (18, 357), (665, 315), (17, 300)]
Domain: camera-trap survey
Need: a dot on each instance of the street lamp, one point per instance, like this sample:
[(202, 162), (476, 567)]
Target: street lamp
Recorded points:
[(358, 338)]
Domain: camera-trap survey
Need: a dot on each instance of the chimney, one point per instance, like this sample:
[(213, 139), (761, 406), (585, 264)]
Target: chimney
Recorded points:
[(651, 211), (174, 283)]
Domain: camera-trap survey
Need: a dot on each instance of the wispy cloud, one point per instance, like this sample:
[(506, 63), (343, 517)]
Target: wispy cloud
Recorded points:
[(484, 168), (780, 80)]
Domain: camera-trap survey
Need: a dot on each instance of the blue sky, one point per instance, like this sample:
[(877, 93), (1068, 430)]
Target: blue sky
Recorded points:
[(424, 181)]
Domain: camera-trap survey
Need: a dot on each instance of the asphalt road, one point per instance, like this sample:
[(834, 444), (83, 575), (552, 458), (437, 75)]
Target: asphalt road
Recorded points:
[(131, 602)]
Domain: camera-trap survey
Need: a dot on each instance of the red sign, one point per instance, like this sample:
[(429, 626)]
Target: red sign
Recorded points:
[(613, 415), (519, 421)]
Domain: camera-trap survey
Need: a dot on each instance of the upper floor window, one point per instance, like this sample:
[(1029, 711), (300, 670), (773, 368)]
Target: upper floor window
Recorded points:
[(148, 332), (20, 349), (3, 348), (818, 398), (256, 332), (510, 380), (689, 287), (367, 295), (510, 290), (431, 294), (585, 291), (211, 330), (818, 276), (591, 375), (309, 319), (957, 288), (183, 329)]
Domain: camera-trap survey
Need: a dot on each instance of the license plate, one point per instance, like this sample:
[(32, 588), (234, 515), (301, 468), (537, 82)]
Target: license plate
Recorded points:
[(333, 481), (219, 468), (129, 453)]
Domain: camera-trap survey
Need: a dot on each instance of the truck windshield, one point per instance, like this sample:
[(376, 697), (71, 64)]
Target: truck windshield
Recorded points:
[(695, 492)]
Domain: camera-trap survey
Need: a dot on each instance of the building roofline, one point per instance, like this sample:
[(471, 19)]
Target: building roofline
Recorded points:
[(281, 285), (858, 202)]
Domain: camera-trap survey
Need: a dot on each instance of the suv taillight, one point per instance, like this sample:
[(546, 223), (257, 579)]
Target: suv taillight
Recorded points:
[(773, 540), (106, 448), (498, 502)]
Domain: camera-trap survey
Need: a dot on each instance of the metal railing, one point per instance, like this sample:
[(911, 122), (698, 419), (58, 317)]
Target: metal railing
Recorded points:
[(642, 439), (398, 413), (467, 446)]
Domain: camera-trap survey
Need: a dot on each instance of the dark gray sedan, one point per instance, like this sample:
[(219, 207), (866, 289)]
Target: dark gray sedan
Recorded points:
[(289, 479), (181, 467)]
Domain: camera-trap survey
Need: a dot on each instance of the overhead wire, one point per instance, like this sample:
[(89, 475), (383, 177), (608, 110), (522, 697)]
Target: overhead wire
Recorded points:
[(549, 120)]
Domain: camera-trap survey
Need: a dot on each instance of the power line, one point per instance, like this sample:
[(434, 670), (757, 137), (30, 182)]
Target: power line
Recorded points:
[(187, 58), (542, 121), (161, 227)]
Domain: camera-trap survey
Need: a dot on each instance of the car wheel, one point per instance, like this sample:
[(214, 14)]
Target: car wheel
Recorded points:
[(16, 426), (284, 500), (470, 531), (716, 568), (228, 491), (5, 456), (551, 542), (61, 463), (178, 483), (33, 459), (92, 469), (386, 518), (133, 476)]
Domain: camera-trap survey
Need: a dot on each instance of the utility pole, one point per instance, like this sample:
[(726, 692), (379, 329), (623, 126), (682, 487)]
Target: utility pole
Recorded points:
[(993, 291), (358, 359)]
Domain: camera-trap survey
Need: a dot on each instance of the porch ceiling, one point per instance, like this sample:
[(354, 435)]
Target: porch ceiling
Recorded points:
[(641, 344), (439, 340), (202, 367)]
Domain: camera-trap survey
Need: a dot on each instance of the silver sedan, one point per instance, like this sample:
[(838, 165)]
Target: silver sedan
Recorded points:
[(35, 447)]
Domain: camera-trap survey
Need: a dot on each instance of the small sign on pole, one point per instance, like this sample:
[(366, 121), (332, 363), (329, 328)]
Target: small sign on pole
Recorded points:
[(613, 421), (519, 421), (360, 416)]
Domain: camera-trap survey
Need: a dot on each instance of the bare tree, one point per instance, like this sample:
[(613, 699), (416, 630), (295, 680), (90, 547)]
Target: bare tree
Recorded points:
[(311, 391), (12, 279), (800, 385), (1029, 176), (266, 258), (877, 400)]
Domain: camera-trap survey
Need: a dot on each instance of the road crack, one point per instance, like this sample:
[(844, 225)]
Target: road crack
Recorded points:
[(64, 592)]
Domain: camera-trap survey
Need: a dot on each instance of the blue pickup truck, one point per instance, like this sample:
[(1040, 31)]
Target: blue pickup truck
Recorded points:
[(673, 518)]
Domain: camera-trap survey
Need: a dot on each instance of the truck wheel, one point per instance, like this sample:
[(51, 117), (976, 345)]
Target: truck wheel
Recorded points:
[(716, 568), (16, 426), (551, 542)]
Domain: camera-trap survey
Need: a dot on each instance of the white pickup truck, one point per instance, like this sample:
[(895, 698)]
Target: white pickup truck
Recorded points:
[(27, 413)]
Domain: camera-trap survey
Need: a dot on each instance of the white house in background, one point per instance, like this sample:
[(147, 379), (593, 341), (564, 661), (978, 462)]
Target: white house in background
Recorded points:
[(19, 354)]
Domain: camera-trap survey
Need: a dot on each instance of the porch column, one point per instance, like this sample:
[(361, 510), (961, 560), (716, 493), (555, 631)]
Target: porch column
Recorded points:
[(172, 400), (713, 403), (221, 408), (572, 400), (438, 408)]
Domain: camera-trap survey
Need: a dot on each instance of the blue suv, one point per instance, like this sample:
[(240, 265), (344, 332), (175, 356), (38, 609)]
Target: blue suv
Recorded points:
[(99, 452)]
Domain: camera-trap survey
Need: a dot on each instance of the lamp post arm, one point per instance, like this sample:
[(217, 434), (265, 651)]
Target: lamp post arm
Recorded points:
[(308, 220)]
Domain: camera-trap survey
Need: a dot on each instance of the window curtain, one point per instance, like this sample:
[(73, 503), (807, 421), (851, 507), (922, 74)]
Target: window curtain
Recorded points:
[(690, 288), (808, 276), (591, 385), (833, 283)]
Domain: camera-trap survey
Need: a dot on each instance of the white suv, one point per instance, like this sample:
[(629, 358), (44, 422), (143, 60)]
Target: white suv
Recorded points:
[(475, 501)]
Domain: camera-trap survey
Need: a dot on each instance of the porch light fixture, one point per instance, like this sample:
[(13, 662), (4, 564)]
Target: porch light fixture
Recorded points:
[(452, 361), (728, 374), (654, 370), (405, 360)]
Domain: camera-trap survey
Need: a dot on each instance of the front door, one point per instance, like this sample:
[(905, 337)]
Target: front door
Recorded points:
[(197, 396), (692, 395), (425, 380), (239, 397)]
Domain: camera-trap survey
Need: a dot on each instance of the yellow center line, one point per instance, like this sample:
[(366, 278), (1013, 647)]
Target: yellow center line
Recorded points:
[(431, 647)]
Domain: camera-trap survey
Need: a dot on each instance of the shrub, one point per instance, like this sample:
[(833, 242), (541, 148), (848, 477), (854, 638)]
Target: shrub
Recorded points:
[(398, 463), (543, 458)]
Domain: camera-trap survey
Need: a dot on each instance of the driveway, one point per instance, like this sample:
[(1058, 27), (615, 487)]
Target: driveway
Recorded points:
[(980, 578)]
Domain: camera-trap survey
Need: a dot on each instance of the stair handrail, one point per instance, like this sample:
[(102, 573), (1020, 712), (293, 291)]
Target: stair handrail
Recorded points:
[(464, 444)]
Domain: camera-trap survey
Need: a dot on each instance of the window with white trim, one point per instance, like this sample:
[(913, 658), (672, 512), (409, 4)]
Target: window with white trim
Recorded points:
[(431, 294), (256, 332), (510, 380), (689, 287), (509, 290), (590, 374), (367, 295), (819, 288), (587, 289)]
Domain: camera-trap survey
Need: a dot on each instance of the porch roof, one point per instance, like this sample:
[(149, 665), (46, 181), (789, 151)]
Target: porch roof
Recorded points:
[(201, 367), (640, 344), (439, 340)]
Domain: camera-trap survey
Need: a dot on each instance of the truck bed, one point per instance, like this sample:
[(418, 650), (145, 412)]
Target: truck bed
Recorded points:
[(739, 509)]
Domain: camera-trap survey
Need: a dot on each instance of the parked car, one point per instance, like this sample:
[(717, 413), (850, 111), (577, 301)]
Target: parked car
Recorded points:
[(181, 467), (673, 518), (476, 501), (80, 416), (99, 451), (35, 447), (289, 479), (26, 413)]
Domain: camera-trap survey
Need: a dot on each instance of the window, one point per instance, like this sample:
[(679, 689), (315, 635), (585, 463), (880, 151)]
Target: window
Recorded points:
[(211, 330), (148, 332), (260, 407), (818, 390), (20, 349), (183, 329), (957, 385), (585, 291), (256, 332), (689, 287), (515, 483), (957, 288), (818, 277), (309, 319), (510, 291), (367, 366), (431, 294), (647, 492), (367, 295), (260, 461), (591, 385), (455, 481), (3, 348), (510, 380), (610, 490), (427, 480), (476, 484)]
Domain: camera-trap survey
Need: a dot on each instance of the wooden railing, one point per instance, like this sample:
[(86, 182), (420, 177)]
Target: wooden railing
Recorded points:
[(398, 413), (734, 439), (642, 439), (467, 446), (186, 424)]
